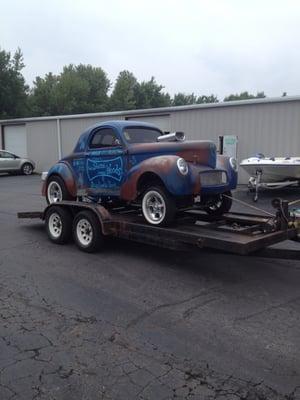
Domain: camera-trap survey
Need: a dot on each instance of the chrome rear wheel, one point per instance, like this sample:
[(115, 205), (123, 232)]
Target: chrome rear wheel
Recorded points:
[(54, 192)]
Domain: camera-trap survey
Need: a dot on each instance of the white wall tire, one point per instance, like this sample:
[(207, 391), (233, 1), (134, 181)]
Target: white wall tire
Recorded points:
[(58, 224), (87, 232), (56, 190), (157, 206)]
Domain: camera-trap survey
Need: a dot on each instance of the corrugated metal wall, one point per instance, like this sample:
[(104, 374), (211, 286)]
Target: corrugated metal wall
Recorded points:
[(269, 128), (162, 121), (42, 144), (272, 129)]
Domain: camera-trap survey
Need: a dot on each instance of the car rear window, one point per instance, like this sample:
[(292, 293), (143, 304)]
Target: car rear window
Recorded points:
[(141, 134)]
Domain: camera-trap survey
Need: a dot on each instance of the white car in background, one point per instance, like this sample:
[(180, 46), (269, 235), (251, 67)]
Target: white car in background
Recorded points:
[(9, 162)]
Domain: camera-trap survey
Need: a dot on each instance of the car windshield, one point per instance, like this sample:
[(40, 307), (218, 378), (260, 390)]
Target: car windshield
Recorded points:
[(141, 134)]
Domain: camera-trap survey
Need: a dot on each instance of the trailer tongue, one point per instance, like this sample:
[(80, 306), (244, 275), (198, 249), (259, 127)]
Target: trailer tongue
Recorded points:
[(237, 233)]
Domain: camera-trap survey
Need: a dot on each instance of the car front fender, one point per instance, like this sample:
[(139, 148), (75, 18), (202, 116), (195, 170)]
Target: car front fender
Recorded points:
[(223, 162), (62, 170), (165, 168)]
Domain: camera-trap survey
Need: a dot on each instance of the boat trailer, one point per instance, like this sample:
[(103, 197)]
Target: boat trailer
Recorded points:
[(237, 233), (255, 184)]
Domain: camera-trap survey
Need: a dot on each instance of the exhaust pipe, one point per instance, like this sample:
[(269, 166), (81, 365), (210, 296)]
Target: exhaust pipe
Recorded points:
[(172, 137)]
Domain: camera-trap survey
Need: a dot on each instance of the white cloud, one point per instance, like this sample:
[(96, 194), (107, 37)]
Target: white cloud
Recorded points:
[(193, 46)]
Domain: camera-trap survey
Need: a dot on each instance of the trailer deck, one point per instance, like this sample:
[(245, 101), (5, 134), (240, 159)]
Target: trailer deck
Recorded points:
[(237, 233)]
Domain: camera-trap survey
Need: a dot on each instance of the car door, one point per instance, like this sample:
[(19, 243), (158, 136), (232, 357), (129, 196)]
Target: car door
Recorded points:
[(8, 162), (106, 163)]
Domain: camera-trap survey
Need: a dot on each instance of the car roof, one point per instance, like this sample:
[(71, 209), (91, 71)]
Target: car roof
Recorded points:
[(120, 124), (117, 124)]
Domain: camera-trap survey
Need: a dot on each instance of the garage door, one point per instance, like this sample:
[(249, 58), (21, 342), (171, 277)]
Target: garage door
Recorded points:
[(161, 121), (15, 139)]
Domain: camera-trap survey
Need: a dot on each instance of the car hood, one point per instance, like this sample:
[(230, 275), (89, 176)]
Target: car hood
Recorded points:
[(197, 152)]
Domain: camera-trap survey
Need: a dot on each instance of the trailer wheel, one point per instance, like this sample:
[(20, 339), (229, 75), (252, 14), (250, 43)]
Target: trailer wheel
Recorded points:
[(58, 224), (220, 204), (158, 207), (87, 232)]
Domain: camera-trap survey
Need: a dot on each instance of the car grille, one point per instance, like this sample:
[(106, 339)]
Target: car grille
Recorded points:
[(212, 178)]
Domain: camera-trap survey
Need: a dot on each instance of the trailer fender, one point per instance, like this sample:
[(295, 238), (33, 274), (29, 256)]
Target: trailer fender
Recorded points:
[(74, 207)]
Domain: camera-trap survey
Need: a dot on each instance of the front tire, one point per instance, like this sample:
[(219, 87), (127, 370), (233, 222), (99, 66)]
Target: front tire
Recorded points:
[(220, 204), (58, 224), (87, 232), (56, 190), (158, 207), (27, 169)]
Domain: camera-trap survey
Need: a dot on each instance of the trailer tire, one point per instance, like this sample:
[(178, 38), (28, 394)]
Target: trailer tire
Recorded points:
[(58, 224), (158, 207), (222, 204), (87, 232)]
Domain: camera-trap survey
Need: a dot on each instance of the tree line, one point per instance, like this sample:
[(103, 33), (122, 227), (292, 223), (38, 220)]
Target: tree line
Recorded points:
[(85, 89)]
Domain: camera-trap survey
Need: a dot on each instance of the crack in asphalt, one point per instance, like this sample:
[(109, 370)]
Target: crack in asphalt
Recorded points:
[(267, 309), (149, 313)]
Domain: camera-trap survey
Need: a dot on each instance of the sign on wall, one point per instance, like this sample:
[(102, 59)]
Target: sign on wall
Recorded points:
[(228, 145)]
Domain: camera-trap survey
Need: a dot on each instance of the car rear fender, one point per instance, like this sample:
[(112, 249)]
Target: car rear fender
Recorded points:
[(62, 170)]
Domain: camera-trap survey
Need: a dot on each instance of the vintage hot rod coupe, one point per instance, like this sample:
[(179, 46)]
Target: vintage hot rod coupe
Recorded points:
[(134, 163)]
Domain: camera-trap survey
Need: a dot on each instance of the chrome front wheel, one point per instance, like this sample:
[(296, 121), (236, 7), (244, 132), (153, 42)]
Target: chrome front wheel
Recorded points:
[(158, 206), (154, 207)]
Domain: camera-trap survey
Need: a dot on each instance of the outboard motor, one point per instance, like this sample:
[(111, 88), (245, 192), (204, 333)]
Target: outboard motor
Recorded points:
[(172, 137)]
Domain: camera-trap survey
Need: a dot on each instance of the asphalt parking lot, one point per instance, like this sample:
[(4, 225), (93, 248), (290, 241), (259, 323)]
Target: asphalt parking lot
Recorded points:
[(137, 322)]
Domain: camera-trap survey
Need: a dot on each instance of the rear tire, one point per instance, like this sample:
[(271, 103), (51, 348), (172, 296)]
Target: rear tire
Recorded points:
[(56, 190), (220, 205), (27, 169), (87, 232), (158, 207), (58, 224)]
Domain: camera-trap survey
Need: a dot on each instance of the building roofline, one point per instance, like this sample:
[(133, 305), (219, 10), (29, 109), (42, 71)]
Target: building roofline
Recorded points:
[(159, 111)]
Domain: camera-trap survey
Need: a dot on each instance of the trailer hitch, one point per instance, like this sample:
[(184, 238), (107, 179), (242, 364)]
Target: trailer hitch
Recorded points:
[(284, 219)]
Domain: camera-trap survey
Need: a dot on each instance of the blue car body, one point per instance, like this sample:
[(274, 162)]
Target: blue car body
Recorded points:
[(120, 169)]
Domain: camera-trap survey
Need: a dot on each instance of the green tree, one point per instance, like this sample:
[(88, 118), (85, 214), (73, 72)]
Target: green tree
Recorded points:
[(182, 99), (244, 96), (78, 89), (123, 96), (43, 97), (13, 90), (149, 95), (207, 99)]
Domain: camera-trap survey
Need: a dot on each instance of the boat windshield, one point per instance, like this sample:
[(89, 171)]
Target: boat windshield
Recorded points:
[(136, 134)]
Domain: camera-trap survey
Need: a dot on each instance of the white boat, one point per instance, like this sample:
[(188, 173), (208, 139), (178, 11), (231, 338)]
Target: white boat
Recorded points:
[(273, 169), (271, 172)]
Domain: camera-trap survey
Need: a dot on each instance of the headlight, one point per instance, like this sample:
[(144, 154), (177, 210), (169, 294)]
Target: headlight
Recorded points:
[(182, 166), (233, 164)]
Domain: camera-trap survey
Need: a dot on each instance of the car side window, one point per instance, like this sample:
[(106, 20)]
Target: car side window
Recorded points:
[(105, 137), (5, 154)]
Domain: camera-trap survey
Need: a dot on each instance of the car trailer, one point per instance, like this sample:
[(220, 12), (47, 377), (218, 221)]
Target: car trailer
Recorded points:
[(237, 233)]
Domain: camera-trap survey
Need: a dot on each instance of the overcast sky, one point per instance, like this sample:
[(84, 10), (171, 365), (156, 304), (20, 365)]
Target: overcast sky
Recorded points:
[(204, 47)]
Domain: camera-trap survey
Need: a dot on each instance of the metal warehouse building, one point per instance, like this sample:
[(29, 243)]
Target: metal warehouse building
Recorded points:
[(270, 126)]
